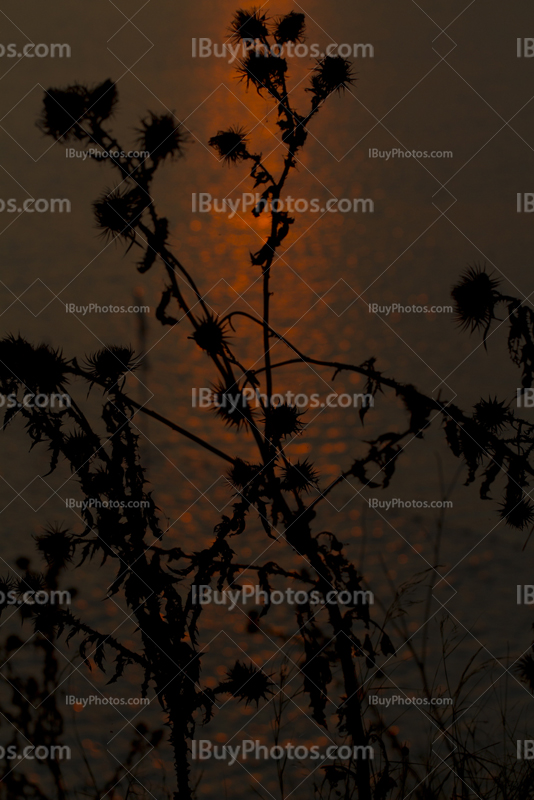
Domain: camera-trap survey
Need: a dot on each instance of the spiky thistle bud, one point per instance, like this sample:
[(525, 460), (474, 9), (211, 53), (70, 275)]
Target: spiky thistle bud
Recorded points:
[(243, 474), (249, 25), (285, 420), (231, 145), (40, 368), (290, 28), (162, 136), (118, 211), (109, 364), (231, 405), (299, 477), (475, 298), (518, 513), (263, 70), (65, 110), (210, 335), (331, 74), (247, 683), (492, 415)]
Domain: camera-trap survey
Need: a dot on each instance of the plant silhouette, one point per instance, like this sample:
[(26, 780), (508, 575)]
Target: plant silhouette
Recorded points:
[(491, 440)]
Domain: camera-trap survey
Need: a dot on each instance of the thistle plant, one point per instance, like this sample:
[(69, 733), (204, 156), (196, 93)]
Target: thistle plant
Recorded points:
[(156, 581)]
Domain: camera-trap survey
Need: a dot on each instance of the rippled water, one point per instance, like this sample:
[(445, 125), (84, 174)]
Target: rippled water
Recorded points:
[(329, 271)]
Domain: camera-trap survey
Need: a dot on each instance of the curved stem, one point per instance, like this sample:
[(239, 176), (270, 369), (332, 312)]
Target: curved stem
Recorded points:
[(179, 429), (154, 414)]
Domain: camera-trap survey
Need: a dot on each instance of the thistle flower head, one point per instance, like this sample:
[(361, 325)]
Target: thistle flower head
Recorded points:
[(48, 369), (475, 298), (231, 145), (331, 74), (118, 211), (299, 477), (56, 545), (517, 513), (211, 335), (243, 473), (161, 136), (101, 101), (290, 28), (285, 421), (492, 415), (249, 25), (248, 683), (231, 405), (40, 368), (64, 110), (264, 70), (109, 364)]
